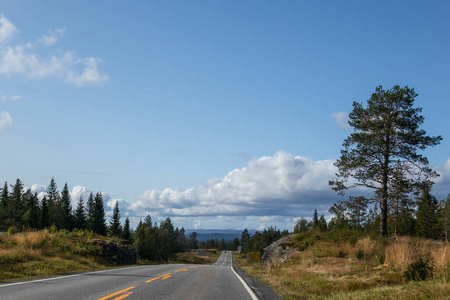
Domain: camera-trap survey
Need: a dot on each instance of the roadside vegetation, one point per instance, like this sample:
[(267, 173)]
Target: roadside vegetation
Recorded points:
[(342, 264), (49, 252)]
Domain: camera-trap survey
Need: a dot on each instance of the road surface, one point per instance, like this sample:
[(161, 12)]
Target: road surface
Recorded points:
[(177, 281)]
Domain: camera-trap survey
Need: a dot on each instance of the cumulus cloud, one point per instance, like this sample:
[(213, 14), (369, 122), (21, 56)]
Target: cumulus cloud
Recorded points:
[(39, 189), (7, 29), (341, 120), (442, 183), (278, 186), (23, 60), (5, 120)]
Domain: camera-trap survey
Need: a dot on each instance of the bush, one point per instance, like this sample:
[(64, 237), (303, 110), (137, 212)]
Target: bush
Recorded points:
[(359, 254), (12, 230), (419, 270)]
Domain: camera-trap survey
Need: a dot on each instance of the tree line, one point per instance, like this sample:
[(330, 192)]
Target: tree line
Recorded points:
[(21, 209)]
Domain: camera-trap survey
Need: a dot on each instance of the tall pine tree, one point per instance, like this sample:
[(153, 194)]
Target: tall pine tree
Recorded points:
[(65, 208), (80, 215), (386, 138), (99, 221), (115, 229)]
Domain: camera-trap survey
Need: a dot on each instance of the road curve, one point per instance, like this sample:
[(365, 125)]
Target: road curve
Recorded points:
[(177, 281)]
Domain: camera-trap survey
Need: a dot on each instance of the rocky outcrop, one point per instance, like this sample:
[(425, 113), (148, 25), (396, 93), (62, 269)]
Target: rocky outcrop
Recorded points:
[(117, 254), (278, 252)]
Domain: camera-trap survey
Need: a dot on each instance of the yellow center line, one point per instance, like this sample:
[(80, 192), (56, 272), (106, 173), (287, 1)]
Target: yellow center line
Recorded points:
[(184, 270), (124, 296), (194, 267), (168, 274), (117, 293)]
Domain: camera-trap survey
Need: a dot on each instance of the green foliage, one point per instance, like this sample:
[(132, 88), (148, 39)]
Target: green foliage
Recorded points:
[(305, 239), (386, 139), (420, 270), (428, 225), (80, 215), (12, 230), (65, 218), (126, 234), (115, 229)]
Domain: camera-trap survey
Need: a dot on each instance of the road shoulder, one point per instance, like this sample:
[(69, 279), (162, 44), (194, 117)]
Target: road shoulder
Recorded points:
[(261, 290)]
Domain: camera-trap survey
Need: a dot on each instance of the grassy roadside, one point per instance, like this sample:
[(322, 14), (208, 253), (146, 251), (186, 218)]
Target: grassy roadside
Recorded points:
[(45, 253), (329, 268)]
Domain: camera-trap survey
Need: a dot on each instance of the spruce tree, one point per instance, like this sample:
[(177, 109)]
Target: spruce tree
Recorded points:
[(4, 203), (322, 223), (80, 215), (65, 208), (90, 215), (31, 217), (126, 233), (315, 219), (45, 215), (99, 215), (16, 207), (445, 217), (115, 229), (53, 200), (427, 216)]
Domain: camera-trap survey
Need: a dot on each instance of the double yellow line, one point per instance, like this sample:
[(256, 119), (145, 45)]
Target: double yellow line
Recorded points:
[(120, 292), (163, 277)]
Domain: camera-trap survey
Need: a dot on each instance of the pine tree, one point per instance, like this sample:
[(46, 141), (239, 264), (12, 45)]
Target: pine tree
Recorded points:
[(427, 216), (45, 218), (99, 215), (315, 219), (445, 217), (16, 207), (386, 138), (126, 233), (357, 207), (65, 208), (322, 223), (4, 203), (31, 215), (90, 216), (53, 200), (80, 215), (115, 229)]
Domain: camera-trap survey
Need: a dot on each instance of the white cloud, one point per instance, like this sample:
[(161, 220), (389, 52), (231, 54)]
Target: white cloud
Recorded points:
[(341, 120), (90, 73), (39, 189), (5, 120), (8, 97), (52, 37), (7, 29), (267, 188), (23, 60)]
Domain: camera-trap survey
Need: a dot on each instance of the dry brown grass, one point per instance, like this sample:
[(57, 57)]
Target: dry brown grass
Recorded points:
[(367, 269)]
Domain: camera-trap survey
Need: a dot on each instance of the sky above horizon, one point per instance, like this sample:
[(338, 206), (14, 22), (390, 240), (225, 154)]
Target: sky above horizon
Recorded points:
[(217, 114)]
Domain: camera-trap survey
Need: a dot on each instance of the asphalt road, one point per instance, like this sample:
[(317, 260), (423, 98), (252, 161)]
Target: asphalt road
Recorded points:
[(218, 281)]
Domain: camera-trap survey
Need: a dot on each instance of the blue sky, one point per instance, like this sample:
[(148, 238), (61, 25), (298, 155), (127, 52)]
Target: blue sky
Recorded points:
[(216, 113)]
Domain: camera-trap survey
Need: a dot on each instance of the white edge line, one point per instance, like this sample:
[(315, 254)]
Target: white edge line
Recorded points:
[(249, 290), (66, 276)]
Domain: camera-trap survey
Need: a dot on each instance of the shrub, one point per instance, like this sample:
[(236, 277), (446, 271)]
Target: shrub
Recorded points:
[(359, 254), (12, 230), (419, 270)]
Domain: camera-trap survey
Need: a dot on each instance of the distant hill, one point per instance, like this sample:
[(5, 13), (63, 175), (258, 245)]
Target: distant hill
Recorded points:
[(226, 234)]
